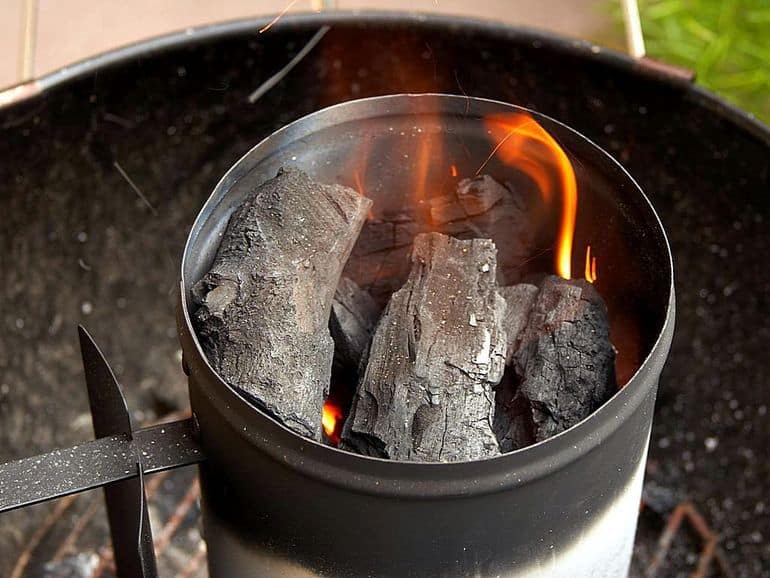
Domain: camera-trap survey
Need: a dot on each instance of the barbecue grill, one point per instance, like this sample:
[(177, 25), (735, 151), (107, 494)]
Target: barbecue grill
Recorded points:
[(119, 108)]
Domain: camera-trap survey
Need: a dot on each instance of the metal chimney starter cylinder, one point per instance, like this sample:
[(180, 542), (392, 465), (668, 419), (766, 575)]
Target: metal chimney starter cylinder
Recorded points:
[(277, 504)]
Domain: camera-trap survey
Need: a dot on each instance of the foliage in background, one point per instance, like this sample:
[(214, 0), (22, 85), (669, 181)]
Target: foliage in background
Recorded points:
[(726, 42)]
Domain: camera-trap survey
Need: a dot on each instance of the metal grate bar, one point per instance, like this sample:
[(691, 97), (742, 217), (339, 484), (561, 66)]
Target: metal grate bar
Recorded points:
[(96, 463)]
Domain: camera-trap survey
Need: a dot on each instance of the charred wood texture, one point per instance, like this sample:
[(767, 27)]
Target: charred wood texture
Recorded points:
[(472, 198), (353, 319), (519, 300), (512, 425), (437, 352), (478, 208), (380, 259), (482, 207), (563, 361), (263, 316)]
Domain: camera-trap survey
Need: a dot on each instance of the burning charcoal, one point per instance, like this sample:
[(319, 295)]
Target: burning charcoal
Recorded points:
[(479, 208), (482, 207), (473, 197), (518, 300), (353, 317), (512, 421), (264, 306), (389, 231), (564, 362), (438, 350), (380, 274), (380, 259), (511, 427)]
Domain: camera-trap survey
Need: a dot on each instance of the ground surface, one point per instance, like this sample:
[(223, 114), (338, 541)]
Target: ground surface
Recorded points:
[(78, 245)]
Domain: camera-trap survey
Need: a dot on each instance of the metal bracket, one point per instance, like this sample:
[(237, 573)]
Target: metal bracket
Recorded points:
[(117, 460), (126, 504)]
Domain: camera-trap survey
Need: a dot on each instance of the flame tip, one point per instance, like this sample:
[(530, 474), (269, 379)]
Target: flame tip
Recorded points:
[(590, 267), (522, 145)]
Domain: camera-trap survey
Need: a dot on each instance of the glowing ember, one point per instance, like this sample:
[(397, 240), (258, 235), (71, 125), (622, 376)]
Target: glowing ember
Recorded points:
[(331, 420), (454, 170), (523, 144), (590, 271)]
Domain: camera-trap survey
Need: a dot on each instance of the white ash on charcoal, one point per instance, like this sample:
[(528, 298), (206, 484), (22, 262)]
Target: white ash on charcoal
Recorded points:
[(263, 308), (563, 363), (438, 350), (353, 318)]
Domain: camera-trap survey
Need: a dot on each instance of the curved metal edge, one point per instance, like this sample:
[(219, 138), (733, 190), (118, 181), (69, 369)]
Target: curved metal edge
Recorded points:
[(109, 410), (520, 466), (731, 112), (538, 38)]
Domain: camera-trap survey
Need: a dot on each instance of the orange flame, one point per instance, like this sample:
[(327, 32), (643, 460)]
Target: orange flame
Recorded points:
[(453, 168), (428, 149), (330, 420), (538, 172), (590, 270), (359, 183), (525, 145), (361, 191)]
